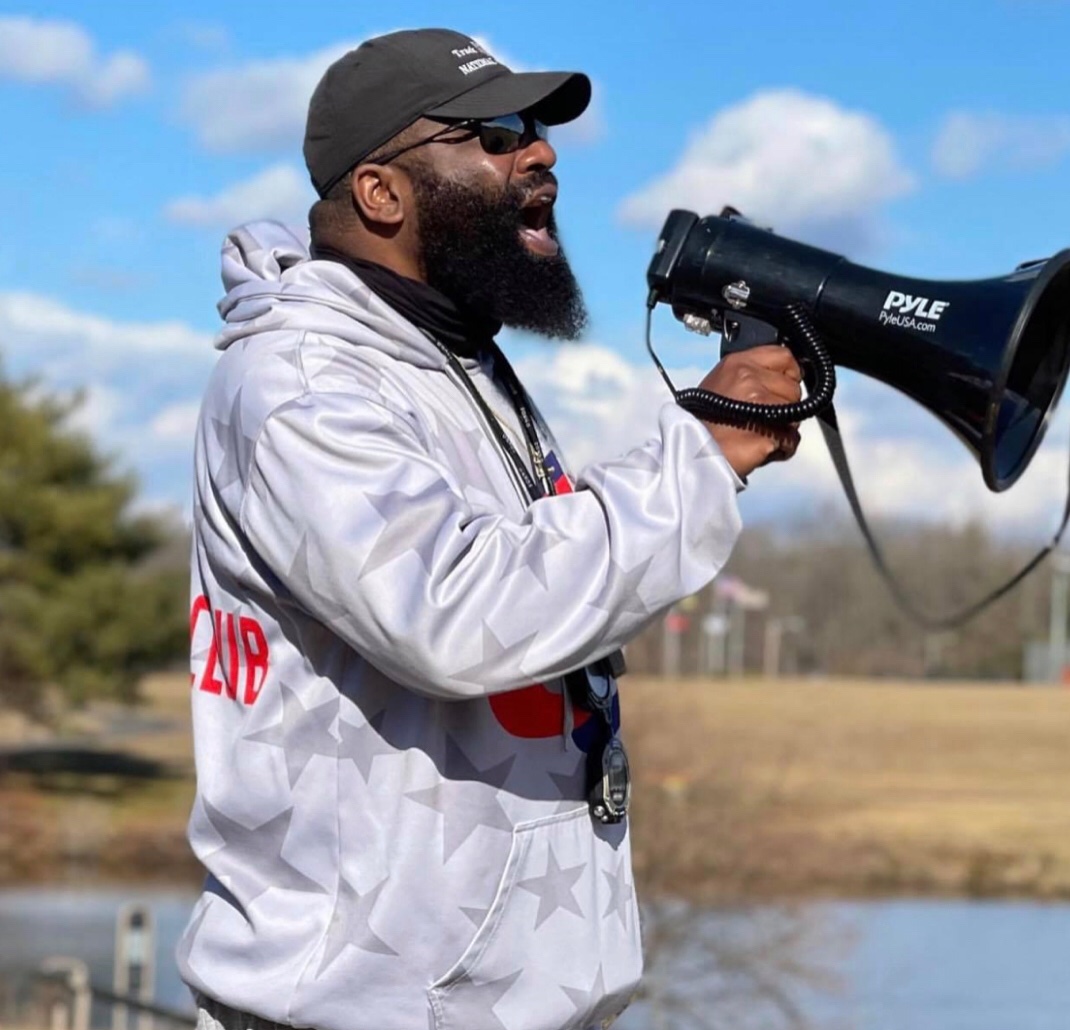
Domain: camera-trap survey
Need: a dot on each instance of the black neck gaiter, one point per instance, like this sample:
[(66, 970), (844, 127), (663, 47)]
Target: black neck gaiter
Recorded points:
[(464, 333)]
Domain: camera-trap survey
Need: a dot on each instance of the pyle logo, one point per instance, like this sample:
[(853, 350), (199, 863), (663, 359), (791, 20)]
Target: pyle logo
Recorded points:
[(908, 304), (904, 309)]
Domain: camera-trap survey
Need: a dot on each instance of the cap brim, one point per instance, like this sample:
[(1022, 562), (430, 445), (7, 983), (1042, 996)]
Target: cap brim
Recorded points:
[(553, 97)]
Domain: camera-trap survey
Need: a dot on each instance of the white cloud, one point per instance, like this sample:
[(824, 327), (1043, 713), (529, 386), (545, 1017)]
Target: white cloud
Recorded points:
[(800, 163), (598, 404), (967, 143), (46, 329), (99, 409), (281, 192), (39, 51), (203, 35), (176, 423), (141, 382), (259, 105), (904, 463), (121, 74)]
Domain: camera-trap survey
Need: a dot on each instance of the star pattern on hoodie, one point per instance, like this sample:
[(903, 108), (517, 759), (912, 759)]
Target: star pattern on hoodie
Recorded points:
[(460, 449), (194, 928), (291, 356), (640, 461), (622, 589), (591, 1006), (412, 523), (571, 786), (350, 924), (532, 557), (337, 364), (472, 1004), (620, 893), (363, 744), (302, 732), (254, 856), (554, 888), (462, 806), (235, 443), (496, 653), (475, 915), (301, 580)]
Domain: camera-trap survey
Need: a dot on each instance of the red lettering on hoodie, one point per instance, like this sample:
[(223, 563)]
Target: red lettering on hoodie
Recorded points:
[(238, 650)]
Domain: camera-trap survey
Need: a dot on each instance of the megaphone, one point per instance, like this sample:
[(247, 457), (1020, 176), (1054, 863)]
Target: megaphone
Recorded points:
[(988, 357)]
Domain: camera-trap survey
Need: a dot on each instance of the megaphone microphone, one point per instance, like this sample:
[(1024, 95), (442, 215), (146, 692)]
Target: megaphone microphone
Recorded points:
[(988, 357)]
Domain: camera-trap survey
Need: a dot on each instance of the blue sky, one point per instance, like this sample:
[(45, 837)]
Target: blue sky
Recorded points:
[(931, 139)]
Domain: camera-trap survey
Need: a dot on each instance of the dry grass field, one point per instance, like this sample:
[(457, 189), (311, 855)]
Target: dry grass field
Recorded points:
[(743, 789), (850, 787)]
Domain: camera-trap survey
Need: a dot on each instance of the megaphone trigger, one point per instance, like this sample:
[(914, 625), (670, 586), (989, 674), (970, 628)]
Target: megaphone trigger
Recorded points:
[(741, 332)]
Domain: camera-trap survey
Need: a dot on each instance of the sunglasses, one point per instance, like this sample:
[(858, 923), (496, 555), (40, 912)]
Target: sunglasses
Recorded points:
[(502, 135)]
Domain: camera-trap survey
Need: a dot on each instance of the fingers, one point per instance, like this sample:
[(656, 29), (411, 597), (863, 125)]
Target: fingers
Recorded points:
[(762, 385), (787, 445), (775, 358), (782, 388), (749, 447)]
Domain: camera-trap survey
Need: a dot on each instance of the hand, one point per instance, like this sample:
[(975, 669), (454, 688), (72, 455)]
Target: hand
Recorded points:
[(761, 375)]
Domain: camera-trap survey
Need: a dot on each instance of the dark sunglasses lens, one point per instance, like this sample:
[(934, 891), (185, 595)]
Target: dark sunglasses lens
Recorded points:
[(498, 139), (510, 132)]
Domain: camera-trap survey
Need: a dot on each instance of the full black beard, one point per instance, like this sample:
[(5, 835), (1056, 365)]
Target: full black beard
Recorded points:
[(473, 253)]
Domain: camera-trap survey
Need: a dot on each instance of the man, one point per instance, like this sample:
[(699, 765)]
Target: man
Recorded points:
[(401, 804)]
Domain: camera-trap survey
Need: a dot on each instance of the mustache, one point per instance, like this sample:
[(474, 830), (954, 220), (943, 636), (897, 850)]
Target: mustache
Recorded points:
[(518, 194)]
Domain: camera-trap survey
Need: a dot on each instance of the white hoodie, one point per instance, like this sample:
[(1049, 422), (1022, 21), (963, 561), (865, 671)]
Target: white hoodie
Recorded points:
[(390, 779)]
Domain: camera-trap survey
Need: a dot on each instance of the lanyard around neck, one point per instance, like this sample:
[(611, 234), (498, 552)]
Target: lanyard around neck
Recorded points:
[(522, 406)]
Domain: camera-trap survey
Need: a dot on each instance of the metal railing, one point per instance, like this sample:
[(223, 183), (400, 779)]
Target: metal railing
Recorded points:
[(59, 995)]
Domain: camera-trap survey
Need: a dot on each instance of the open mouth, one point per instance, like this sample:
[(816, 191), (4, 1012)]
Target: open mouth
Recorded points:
[(535, 223)]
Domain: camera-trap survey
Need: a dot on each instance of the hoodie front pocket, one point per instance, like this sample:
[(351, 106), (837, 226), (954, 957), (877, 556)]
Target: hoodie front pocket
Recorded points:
[(560, 945)]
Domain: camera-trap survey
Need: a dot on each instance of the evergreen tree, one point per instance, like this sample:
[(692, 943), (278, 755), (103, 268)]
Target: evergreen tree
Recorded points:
[(82, 606)]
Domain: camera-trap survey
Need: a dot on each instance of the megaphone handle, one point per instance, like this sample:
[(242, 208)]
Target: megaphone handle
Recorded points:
[(806, 344), (741, 332)]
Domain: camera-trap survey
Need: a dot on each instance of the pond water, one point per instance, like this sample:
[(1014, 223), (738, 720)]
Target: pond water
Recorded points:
[(900, 965)]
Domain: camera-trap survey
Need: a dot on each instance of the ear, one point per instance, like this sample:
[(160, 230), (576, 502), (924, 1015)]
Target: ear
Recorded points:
[(380, 194)]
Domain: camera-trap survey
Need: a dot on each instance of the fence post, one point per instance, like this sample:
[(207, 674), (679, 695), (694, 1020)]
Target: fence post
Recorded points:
[(135, 964), (75, 1014)]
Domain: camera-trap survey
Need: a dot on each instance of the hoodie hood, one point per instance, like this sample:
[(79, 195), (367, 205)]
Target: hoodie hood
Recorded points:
[(273, 284)]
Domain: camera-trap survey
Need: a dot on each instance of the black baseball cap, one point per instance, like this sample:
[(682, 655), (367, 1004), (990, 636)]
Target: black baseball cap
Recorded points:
[(370, 94)]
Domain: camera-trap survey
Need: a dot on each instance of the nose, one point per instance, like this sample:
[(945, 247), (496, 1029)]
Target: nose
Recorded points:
[(536, 156)]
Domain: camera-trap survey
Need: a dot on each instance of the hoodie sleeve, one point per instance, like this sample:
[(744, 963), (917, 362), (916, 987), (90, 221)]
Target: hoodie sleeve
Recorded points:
[(374, 537)]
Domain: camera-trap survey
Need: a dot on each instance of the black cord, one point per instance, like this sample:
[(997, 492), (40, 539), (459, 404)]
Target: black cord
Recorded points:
[(953, 620)]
